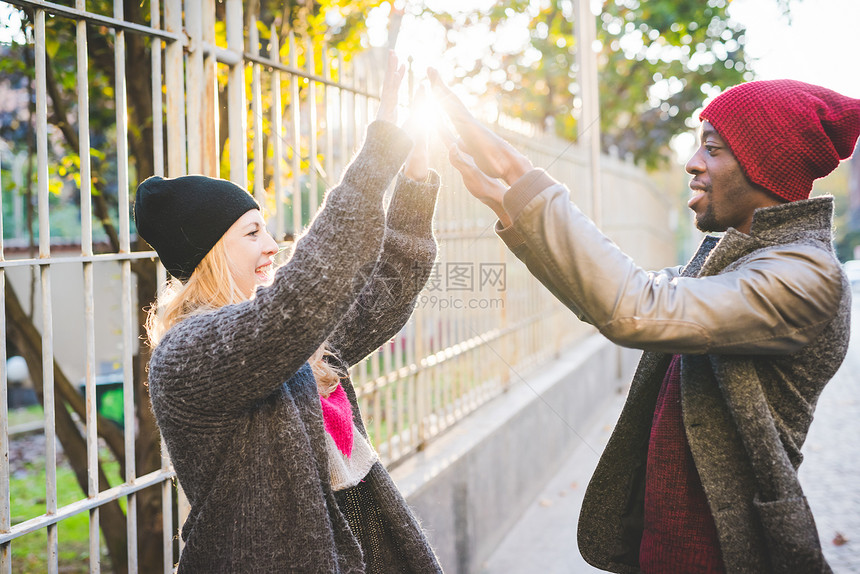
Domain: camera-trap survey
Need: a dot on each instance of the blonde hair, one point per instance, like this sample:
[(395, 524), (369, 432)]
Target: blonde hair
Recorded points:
[(210, 287)]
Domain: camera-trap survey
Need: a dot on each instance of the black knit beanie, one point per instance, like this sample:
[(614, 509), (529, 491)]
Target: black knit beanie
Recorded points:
[(183, 218)]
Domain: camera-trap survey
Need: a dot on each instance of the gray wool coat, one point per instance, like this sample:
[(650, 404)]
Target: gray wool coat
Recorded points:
[(238, 406), (762, 324)]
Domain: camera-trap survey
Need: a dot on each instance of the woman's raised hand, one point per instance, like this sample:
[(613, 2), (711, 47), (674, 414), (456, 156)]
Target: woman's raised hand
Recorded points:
[(418, 163), (390, 87), (492, 155)]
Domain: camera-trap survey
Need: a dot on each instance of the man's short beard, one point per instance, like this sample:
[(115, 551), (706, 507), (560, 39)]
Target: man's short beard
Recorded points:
[(708, 222)]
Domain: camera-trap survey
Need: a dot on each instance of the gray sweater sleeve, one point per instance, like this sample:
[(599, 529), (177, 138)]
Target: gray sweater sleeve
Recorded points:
[(387, 299), (227, 359)]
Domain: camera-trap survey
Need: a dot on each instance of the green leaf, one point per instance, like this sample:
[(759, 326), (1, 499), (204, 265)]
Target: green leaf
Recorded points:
[(52, 45), (55, 186)]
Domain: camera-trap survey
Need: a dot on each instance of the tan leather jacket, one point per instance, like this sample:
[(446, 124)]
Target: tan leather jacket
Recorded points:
[(775, 304)]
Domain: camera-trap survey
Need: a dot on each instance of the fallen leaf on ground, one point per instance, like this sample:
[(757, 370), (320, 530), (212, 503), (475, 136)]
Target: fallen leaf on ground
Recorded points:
[(839, 540)]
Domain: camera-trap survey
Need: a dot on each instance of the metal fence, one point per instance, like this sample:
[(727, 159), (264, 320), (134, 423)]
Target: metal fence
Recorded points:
[(480, 323)]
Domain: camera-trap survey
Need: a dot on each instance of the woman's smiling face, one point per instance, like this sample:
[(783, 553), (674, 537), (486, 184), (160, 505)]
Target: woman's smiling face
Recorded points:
[(250, 249)]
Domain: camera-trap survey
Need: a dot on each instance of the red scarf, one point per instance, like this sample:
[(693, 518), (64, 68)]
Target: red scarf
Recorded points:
[(679, 535), (337, 418)]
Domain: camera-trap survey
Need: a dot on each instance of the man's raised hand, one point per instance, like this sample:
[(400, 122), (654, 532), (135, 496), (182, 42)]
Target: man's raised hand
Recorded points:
[(492, 154), (488, 190)]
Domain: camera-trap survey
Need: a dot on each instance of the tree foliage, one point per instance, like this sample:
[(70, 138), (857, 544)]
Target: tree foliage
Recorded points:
[(658, 61)]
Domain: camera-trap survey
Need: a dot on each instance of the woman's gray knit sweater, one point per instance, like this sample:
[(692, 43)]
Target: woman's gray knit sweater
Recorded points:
[(238, 406)]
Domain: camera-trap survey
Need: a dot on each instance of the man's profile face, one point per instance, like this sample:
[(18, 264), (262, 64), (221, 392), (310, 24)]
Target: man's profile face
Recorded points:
[(723, 196)]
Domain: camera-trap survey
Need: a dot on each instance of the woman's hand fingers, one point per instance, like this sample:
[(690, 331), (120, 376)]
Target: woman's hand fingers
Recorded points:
[(417, 123), (418, 163), (390, 87)]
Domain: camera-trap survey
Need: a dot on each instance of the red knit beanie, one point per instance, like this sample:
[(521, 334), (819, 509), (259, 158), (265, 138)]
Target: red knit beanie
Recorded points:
[(785, 134)]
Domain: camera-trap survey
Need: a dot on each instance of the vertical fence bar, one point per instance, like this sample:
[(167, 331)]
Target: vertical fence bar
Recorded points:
[(89, 300), (277, 134), (376, 397), (400, 390), (503, 319), (236, 108), (194, 85), (183, 508), (158, 167), (369, 87), (387, 388), (421, 393), (91, 428), (128, 326), (173, 79), (167, 512), (420, 346), (166, 486), (210, 119), (84, 134), (45, 275), (343, 97), (296, 119), (5, 502), (50, 428), (257, 113), (157, 107), (409, 392), (356, 108), (589, 127), (128, 334), (313, 161), (330, 177)]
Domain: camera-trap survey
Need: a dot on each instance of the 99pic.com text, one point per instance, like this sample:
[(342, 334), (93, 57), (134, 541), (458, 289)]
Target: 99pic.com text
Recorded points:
[(443, 302)]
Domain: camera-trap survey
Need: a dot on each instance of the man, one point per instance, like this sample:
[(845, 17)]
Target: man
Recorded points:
[(700, 474)]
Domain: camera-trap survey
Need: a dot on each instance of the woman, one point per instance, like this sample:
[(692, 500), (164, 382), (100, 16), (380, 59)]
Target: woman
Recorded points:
[(249, 385)]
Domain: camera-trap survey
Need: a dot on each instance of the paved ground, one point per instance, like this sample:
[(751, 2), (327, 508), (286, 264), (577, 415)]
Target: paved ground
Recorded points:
[(544, 540), (830, 473)]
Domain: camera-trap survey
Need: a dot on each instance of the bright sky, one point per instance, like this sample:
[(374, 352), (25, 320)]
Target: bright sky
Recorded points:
[(820, 46)]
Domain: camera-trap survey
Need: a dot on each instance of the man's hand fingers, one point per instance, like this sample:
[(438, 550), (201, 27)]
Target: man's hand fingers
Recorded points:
[(454, 156), (448, 137), (456, 109), (463, 161)]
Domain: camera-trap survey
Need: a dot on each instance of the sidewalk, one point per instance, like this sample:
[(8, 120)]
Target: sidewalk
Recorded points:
[(830, 473), (544, 539)]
